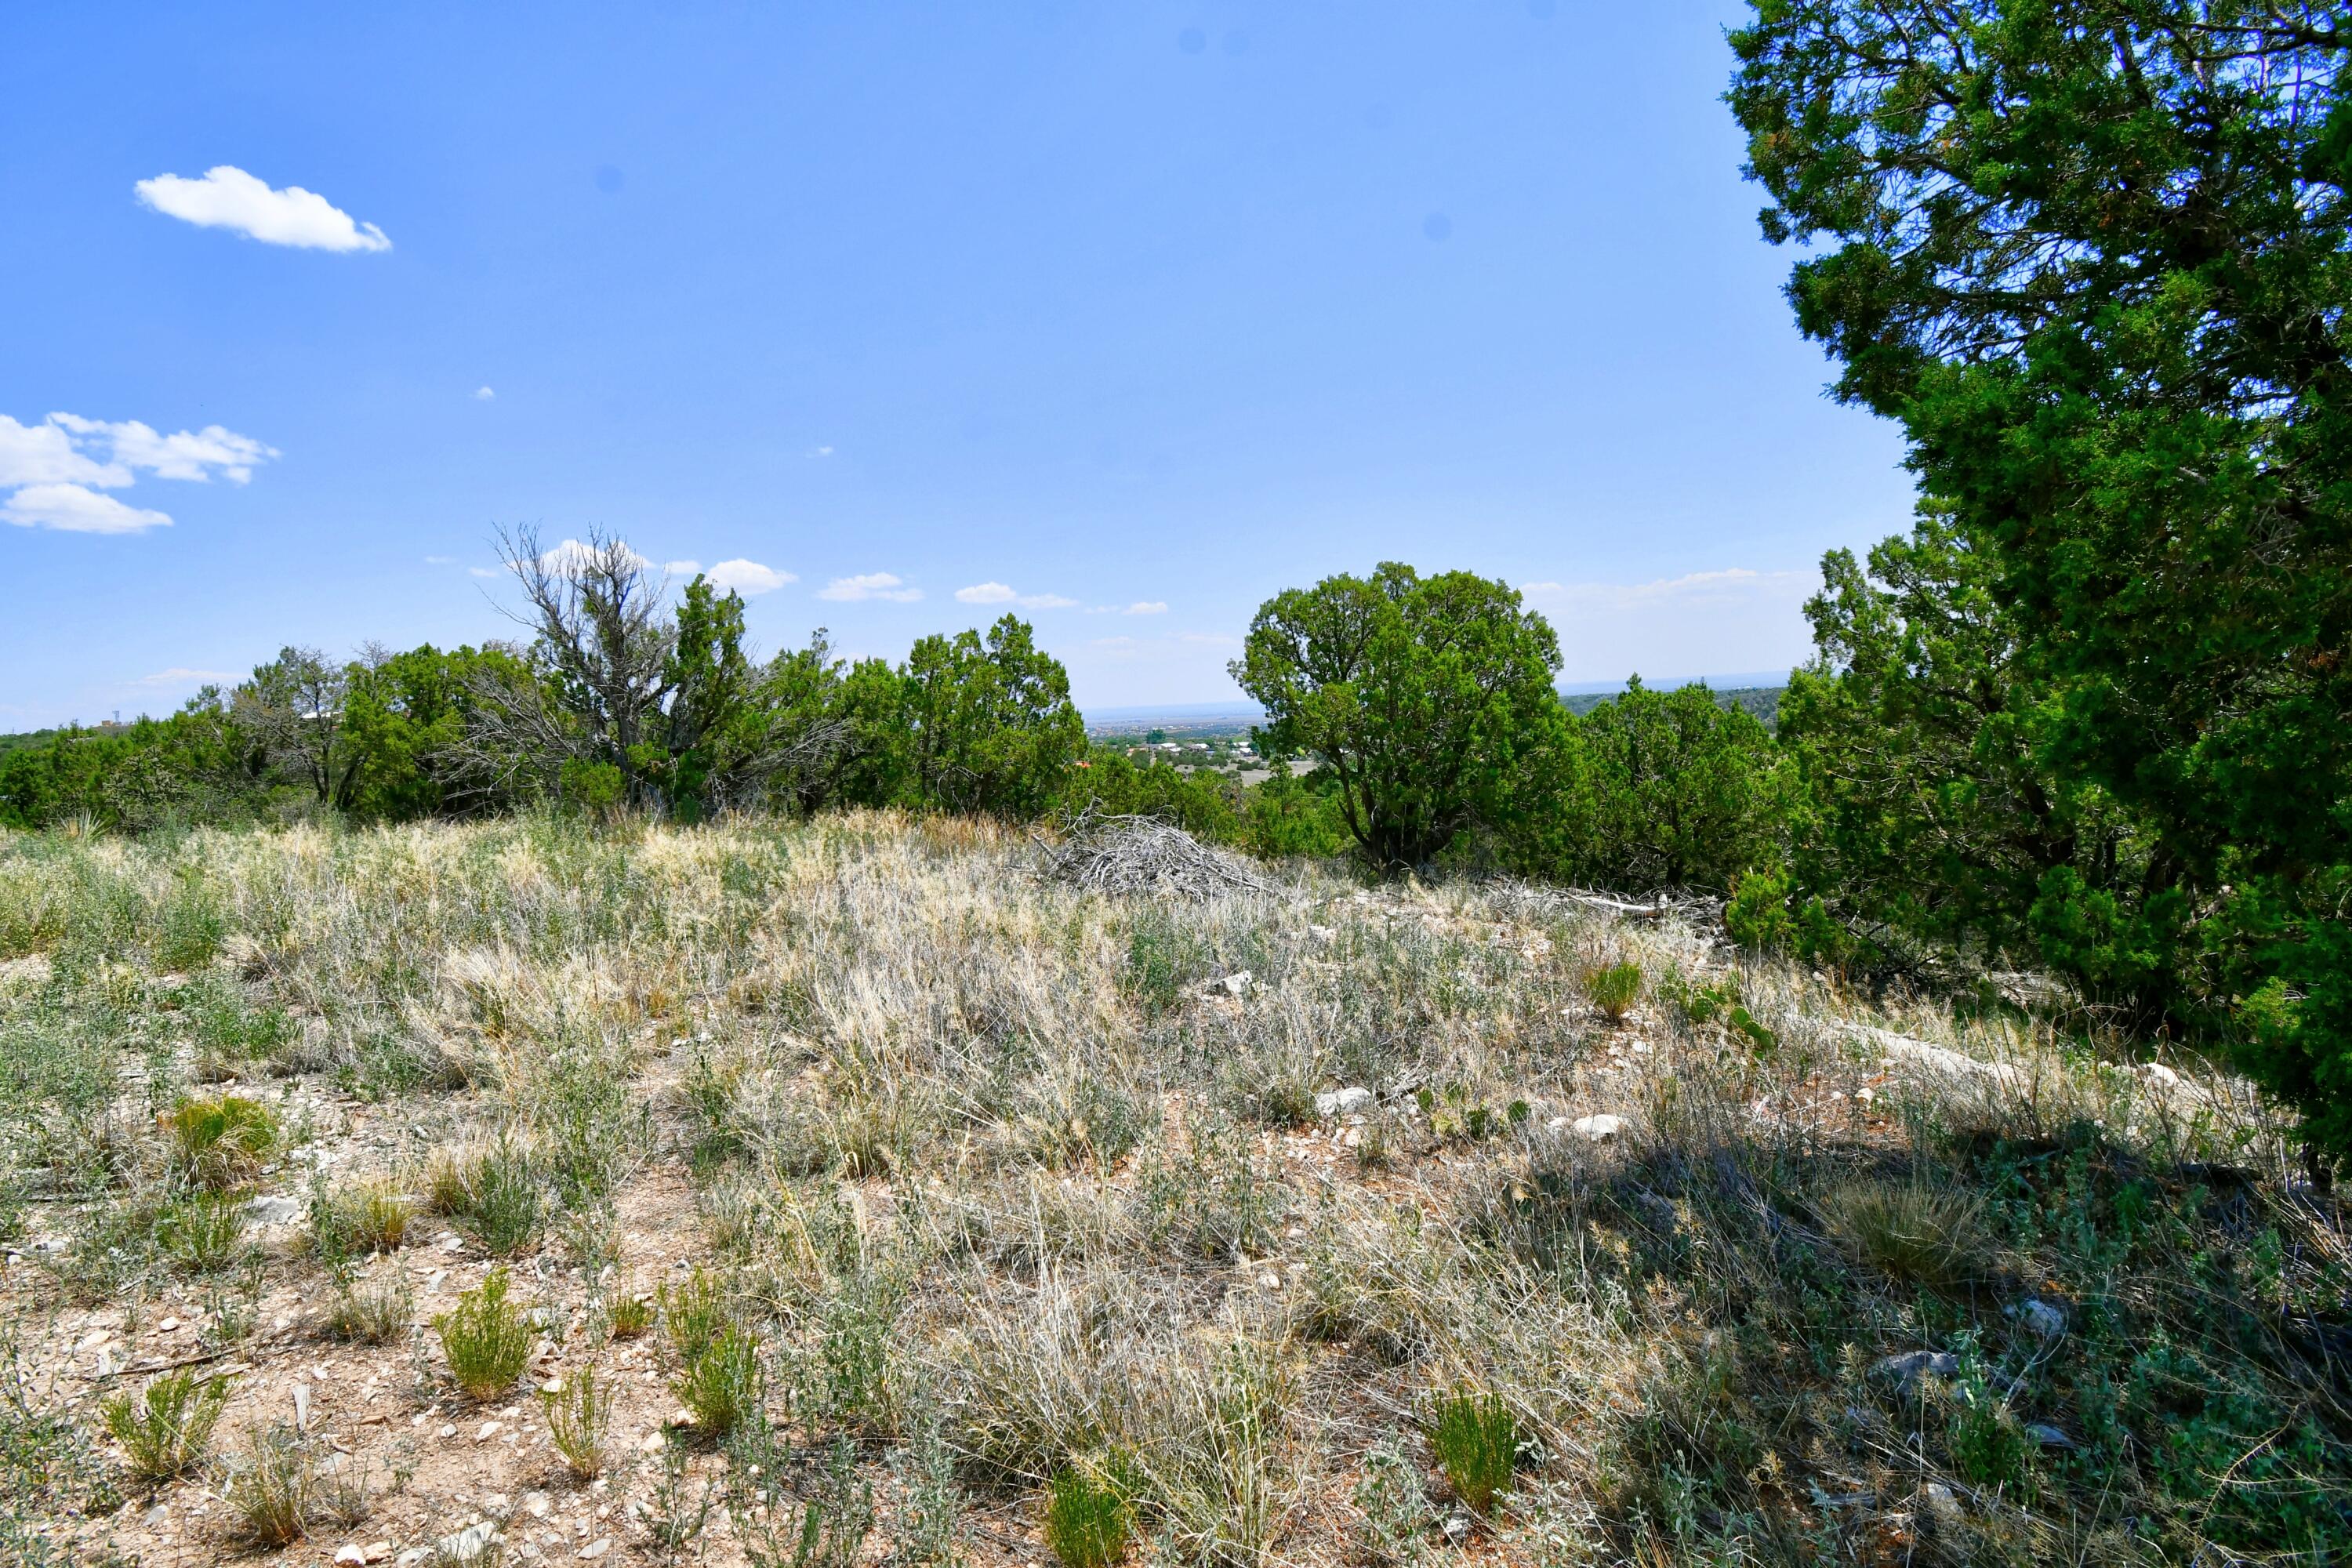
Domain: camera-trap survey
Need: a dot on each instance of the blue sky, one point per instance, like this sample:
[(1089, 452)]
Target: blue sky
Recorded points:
[(1112, 306)]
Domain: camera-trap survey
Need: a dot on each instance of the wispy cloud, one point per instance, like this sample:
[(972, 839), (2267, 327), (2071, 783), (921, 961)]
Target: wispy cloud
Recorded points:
[(180, 676), (484, 394), (999, 594), (440, 561), (1148, 607), (869, 585), (1731, 583), (227, 197)]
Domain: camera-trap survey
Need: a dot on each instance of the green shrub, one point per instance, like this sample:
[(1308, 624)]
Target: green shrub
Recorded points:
[(1477, 1441), (1614, 989), (493, 1194), (204, 1231), (1087, 1516), (722, 1386), (1757, 917), (371, 1312), (1921, 1233), (220, 1141), (167, 1428), (579, 1414), (360, 1217), (485, 1338), (693, 1314)]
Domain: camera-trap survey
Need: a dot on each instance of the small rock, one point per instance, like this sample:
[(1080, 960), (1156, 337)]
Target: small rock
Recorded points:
[(1237, 985), (1340, 1101), (377, 1551), (2039, 1317), (469, 1544), (2048, 1436), (168, 1326), (1457, 1527), (489, 1430), (156, 1518), (595, 1549), (2156, 1075), (301, 1405), (1938, 1503), (272, 1210), (1906, 1370), (535, 1504), (449, 1431), (351, 1555), (1600, 1128)]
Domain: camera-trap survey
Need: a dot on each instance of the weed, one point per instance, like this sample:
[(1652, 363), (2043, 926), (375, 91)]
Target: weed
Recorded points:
[(1920, 1232), (579, 1414), (166, 1430), (360, 1218), (722, 1386), (1087, 1516), (493, 1194), (1475, 1439), (924, 1533), (485, 1338), (631, 1315), (220, 1141), (693, 1314), (1614, 989), (375, 1311), (1395, 1506), (272, 1488), (203, 1232)]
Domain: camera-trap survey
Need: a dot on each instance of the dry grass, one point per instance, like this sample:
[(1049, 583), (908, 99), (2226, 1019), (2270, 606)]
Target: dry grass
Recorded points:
[(972, 1180)]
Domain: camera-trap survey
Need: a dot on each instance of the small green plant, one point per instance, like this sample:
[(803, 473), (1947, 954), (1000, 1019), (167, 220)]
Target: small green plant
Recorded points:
[(372, 1311), (1087, 1516), (272, 1486), (485, 1338), (167, 1428), (1477, 1441), (1918, 1231), (220, 1141), (632, 1315), (693, 1314), (203, 1232), (1614, 989), (363, 1217), (722, 1386), (578, 1416), (493, 1194)]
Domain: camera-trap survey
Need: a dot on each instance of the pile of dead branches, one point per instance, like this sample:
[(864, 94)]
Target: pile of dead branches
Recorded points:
[(1145, 855)]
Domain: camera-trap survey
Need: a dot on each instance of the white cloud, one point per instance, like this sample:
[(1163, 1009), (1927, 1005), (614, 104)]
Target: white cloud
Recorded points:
[(484, 572), (228, 197), (72, 509), (749, 578), (1148, 607), (999, 594), (191, 455), (1728, 584), (869, 585), (440, 561), (483, 394), (44, 455), (568, 558), (179, 676), (821, 452), (682, 568)]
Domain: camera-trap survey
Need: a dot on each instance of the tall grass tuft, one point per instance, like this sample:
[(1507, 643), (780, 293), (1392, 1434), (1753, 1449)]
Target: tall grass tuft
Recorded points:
[(167, 1428), (1475, 1439)]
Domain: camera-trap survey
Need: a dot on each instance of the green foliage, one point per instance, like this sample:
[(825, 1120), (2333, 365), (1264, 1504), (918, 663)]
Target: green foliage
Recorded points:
[(1648, 790), (1418, 695), (486, 1339), (1286, 815), (167, 1428), (1614, 988), (968, 723), (2088, 258), (1475, 1439), (494, 1194), (1087, 1515), (722, 1386), (220, 1141), (579, 1418), (272, 1486), (1204, 804), (694, 1313), (204, 1231)]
